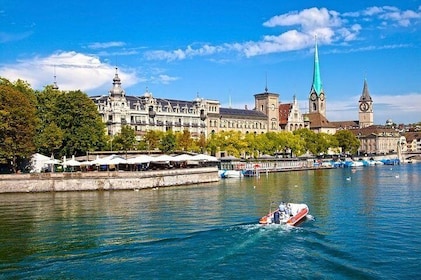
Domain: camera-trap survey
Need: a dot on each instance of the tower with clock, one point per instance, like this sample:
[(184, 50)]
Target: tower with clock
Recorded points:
[(365, 113), (317, 96)]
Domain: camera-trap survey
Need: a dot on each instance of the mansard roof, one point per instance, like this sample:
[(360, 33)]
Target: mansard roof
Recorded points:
[(241, 114), (174, 102), (142, 101)]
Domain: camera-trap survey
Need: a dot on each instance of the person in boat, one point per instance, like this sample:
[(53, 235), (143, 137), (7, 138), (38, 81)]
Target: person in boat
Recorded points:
[(288, 210), (282, 208)]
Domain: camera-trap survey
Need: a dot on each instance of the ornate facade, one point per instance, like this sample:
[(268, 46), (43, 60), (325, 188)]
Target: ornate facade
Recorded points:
[(290, 116), (199, 117), (145, 112)]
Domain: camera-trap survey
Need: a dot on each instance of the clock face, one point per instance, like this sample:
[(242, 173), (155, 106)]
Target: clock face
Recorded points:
[(322, 97), (364, 106), (313, 96)]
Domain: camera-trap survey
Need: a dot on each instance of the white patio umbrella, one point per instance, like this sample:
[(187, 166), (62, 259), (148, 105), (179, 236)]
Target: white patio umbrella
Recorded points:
[(52, 161), (140, 159), (116, 161), (86, 163), (71, 162), (202, 157), (183, 157), (162, 158), (102, 161)]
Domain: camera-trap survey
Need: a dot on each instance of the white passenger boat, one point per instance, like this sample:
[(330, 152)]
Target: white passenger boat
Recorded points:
[(287, 213), (230, 173)]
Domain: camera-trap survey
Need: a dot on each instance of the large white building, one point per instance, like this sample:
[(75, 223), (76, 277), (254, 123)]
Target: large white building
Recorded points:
[(199, 116)]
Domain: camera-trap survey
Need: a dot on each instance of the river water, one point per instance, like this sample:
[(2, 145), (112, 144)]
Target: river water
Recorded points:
[(365, 224)]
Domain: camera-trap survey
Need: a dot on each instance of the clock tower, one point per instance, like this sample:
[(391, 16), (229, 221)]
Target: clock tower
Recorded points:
[(317, 102), (365, 108)]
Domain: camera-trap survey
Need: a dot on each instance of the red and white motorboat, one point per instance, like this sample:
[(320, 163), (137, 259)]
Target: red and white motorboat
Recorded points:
[(287, 213)]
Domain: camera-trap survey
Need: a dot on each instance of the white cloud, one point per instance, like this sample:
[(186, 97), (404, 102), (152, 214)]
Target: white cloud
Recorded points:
[(389, 15), (164, 79), (73, 70), (327, 25), (330, 27), (11, 37), (105, 45), (308, 19), (188, 52), (400, 108)]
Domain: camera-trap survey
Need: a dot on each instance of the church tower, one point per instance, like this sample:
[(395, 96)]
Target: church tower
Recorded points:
[(268, 104), (317, 102), (365, 113)]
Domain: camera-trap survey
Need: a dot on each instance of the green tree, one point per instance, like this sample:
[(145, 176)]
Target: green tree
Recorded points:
[(310, 138), (17, 122), (347, 141), (76, 116), (212, 144), (184, 140), (125, 140), (167, 143), (152, 139), (50, 139), (296, 144), (252, 149), (200, 144)]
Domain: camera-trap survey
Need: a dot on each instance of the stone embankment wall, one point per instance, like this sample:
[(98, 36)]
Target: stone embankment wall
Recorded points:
[(113, 180)]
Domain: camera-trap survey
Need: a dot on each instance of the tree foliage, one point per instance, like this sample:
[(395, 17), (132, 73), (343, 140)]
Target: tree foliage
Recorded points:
[(17, 122), (75, 115), (168, 142), (125, 140), (184, 140), (152, 139), (347, 141)]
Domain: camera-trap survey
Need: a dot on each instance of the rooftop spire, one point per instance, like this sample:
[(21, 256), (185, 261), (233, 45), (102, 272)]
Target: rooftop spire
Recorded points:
[(266, 87), (116, 90), (317, 82), (365, 96), (55, 86)]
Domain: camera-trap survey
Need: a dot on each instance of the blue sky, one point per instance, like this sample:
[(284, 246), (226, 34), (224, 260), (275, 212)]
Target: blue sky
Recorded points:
[(222, 50)]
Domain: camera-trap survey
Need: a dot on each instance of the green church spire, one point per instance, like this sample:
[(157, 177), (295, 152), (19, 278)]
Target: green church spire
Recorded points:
[(317, 82)]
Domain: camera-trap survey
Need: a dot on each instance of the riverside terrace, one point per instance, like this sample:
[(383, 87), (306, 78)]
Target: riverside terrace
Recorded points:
[(116, 162)]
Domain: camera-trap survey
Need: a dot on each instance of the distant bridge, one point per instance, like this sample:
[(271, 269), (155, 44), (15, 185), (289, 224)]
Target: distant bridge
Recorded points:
[(411, 155)]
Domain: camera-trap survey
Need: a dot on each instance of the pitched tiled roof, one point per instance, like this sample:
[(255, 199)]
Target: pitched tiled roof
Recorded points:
[(317, 120), (346, 124), (284, 110), (373, 130), (410, 136)]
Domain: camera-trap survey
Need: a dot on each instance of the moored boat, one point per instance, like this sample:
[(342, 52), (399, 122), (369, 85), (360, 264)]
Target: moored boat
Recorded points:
[(230, 173), (287, 213)]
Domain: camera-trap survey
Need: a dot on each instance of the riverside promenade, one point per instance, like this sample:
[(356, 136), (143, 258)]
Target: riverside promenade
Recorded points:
[(105, 180)]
